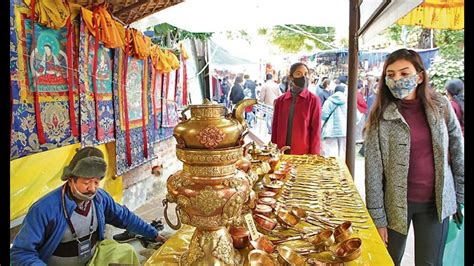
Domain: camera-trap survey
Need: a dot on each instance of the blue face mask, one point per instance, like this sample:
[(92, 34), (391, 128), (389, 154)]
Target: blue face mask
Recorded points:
[(401, 88)]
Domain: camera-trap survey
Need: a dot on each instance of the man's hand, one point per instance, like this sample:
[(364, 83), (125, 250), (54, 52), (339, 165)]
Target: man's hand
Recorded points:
[(458, 217), (383, 234), (160, 238)]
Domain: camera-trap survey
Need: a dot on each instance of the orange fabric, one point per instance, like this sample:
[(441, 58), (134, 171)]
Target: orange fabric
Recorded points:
[(173, 60), (437, 14), (110, 32), (159, 59), (140, 44), (184, 53)]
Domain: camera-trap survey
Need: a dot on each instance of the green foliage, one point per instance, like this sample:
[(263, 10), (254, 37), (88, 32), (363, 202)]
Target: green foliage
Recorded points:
[(165, 31), (451, 43), (292, 41), (443, 70)]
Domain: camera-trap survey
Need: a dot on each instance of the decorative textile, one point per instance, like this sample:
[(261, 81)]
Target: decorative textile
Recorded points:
[(95, 131), (436, 14), (133, 124), (43, 86), (50, 13), (100, 22)]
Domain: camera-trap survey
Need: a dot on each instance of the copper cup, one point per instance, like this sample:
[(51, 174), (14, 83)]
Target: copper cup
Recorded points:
[(240, 237), (267, 201), (349, 250), (275, 185), (343, 231), (273, 177), (281, 174), (263, 209), (258, 257), (287, 256), (287, 219), (266, 224), (266, 194), (323, 239), (262, 243)]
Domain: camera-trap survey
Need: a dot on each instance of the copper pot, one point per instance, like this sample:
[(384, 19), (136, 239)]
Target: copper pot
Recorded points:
[(267, 201), (281, 174), (263, 209), (289, 257), (323, 239), (243, 164), (349, 250), (265, 223), (287, 219), (258, 257), (262, 243), (343, 231), (274, 185), (240, 237), (266, 194)]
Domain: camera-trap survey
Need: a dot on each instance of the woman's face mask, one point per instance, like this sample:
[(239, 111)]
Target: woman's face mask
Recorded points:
[(301, 82), (402, 87)]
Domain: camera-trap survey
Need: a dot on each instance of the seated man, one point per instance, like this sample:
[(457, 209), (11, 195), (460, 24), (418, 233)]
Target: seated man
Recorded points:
[(66, 226)]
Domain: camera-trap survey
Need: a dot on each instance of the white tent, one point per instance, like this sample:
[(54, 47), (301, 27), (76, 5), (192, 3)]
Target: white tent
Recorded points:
[(224, 15)]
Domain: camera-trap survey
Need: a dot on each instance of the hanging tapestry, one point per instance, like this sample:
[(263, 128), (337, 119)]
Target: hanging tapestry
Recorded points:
[(160, 133), (45, 102), (95, 74), (134, 121)]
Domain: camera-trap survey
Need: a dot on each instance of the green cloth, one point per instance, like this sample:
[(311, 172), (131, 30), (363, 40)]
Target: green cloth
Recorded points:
[(110, 251)]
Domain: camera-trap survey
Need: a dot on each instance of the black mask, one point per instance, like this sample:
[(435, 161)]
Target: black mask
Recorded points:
[(301, 82)]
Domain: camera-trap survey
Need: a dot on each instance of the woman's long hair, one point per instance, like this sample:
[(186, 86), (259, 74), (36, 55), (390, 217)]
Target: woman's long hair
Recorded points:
[(385, 97), (455, 88)]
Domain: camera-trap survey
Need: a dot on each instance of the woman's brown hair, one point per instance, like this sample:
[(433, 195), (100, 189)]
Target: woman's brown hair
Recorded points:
[(385, 97)]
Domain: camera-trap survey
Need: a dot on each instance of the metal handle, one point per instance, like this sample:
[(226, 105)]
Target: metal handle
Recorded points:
[(283, 149), (183, 116), (178, 225)]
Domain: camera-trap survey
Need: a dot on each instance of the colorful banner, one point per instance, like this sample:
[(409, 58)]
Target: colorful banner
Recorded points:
[(134, 121), (97, 107), (43, 86)]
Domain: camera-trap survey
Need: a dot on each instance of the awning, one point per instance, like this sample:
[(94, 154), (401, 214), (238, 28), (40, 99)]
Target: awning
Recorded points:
[(437, 14)]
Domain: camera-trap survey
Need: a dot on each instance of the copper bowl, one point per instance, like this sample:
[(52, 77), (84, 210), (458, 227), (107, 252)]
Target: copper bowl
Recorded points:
[(281, 174), (287, 219), (349, 250), (287, 256), (262, 243), (263, 209), (258, 257), (273, 177), (266, 194), (343, 231), (275, 185), (267, 201), (265, 223), (240, 237), (299, 212), (325, 238)]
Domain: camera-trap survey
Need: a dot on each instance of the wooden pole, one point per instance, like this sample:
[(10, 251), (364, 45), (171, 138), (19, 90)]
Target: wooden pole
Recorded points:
[(352, 85)]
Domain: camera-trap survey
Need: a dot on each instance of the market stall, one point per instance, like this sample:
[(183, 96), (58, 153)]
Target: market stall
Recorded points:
[(324, 188)]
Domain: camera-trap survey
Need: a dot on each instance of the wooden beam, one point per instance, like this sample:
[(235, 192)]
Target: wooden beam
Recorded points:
[(354, 20), (130, 7)]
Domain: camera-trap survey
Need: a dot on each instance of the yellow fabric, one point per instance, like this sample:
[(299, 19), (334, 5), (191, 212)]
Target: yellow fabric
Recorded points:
[(50, 13), (34, 176), (109, 251), (184, 53), (437, 14), (111, 33), (373, 249), (159, 59), (140, 44), (172, 60)]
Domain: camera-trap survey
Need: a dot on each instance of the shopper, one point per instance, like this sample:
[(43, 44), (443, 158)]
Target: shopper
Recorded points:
[(249, 87), (455, 91), (334, 119), (237, 91), (297, 115), (268, 95), (323, 91), (67, 226), (411, 133)]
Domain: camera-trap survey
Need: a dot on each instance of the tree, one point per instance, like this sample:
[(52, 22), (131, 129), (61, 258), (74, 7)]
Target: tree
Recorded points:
[(295, 38)]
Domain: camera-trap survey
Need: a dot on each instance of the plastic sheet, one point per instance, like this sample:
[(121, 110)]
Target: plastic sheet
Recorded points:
[(374, 251), (34, 176)]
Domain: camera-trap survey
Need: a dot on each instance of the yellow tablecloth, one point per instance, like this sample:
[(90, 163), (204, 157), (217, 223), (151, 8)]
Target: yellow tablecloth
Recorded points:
[(373, 249)]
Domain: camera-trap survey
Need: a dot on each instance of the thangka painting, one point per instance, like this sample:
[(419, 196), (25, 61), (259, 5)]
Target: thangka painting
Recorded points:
[(133, 112), (96, 128), (45, 102), (169, 107)]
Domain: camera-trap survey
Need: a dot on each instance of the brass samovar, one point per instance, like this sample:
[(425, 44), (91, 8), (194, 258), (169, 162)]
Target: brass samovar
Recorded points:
[(210, 191)]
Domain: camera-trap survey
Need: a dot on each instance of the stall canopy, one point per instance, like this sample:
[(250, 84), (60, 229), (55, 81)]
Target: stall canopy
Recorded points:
[(436, 14)]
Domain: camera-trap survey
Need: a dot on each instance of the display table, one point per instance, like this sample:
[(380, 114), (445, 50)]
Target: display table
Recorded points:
[(335, 187)]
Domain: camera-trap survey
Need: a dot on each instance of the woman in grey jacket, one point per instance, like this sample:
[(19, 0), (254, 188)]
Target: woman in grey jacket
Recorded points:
[(414, 160)]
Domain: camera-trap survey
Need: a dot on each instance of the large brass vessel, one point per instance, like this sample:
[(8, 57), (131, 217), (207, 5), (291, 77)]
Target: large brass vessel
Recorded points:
[(210, 191)]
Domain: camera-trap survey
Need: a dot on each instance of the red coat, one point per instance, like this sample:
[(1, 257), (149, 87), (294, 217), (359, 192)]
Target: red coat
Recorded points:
[(306, 133)]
